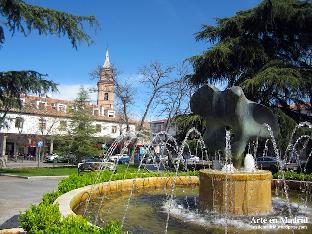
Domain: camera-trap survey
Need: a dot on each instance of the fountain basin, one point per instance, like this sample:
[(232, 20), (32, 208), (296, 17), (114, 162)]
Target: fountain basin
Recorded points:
[(150, 205), (70, 200), (239, 193)]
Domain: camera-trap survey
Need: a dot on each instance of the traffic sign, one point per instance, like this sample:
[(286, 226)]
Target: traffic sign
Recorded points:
[(40, 144)]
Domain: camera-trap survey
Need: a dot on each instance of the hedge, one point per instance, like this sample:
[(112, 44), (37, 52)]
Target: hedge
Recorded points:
[(292, 175)]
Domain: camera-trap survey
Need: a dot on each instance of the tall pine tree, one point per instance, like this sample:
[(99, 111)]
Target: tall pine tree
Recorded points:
[(18, 16), (79, 137), (265, 50)]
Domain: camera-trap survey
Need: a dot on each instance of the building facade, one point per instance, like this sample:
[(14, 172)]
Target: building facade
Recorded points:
[(41, 118), (161, 125)]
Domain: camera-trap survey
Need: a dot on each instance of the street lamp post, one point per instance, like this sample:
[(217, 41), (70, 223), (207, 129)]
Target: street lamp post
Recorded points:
[(39, 145)]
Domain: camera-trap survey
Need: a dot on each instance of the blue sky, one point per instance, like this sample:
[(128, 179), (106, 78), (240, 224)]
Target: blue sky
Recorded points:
[(136, 32)]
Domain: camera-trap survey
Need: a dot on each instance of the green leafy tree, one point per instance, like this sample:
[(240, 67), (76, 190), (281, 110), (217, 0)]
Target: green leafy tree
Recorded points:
[(79, 139), (265, 50), (18, 16), (187, 121)]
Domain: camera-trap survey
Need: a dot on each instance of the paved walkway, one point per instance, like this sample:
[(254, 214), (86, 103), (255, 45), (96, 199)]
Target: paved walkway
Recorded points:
[(31, 163), (18, 194)]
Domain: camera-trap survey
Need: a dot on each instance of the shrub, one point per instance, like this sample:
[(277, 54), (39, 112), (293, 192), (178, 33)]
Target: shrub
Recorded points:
[(46, 218), (292, 175), (49, 198), (40, 217), (78, 224), (77, 181)]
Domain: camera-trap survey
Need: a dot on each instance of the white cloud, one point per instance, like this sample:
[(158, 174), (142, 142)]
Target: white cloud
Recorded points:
[(70, 91)]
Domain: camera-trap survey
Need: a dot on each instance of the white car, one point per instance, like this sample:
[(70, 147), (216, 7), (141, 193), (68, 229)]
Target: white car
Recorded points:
[(192, 159), (51, 158), (189, 159), (116, 157)]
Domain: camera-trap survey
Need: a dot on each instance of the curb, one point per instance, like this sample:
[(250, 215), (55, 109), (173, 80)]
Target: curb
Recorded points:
[(34, 177), (12, 231)]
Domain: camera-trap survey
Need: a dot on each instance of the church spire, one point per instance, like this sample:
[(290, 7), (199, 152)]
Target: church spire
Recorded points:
[(107, 63)]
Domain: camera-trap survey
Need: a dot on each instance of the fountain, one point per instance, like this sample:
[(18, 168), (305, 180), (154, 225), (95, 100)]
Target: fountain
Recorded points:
[(249, 190), (249, 193), (235, 198)]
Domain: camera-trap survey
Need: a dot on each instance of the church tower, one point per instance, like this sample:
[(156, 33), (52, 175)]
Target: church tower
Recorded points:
[(106, 87)]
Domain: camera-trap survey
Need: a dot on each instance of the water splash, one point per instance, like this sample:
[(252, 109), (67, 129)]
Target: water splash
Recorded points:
[(168, 145), (280, 166)]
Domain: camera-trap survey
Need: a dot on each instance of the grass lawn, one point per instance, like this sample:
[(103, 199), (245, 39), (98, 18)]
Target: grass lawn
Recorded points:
[(55, 171), (42, 171)]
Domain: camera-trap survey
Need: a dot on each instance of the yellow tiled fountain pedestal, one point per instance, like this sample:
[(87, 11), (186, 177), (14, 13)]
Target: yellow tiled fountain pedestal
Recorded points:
[(239, 193)]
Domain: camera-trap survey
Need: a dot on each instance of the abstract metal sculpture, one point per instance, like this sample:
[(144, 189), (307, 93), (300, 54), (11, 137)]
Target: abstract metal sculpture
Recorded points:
[(230, 109)]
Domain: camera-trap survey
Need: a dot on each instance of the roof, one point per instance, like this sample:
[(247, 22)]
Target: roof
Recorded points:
[(159, 121), (50, 109), (47, 99), (107, 63)]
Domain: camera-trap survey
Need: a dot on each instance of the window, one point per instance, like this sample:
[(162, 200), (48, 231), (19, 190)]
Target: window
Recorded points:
[(61, 108), (42, 124), (41, 105), (106, 96), (114, 129), (158, 127), (111, 113), (96, 112), (63, 124), (98, 127), (23, 101), (19, 122)]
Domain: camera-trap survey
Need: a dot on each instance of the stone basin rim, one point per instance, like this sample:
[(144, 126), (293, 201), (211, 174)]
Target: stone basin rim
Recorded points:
[(64, 201), (68, 201), (237, 175)]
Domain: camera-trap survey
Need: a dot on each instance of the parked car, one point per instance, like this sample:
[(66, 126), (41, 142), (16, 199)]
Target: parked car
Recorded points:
[(307, 165), (94, 164), (189, 159), (92, 159), (268, 163), (124, 159), (51, 158), (161, 158), (61, 159), (115, 158)]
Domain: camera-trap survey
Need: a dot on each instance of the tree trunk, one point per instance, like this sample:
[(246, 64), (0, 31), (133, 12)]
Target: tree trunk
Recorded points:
[(146, 111), (126, 116)]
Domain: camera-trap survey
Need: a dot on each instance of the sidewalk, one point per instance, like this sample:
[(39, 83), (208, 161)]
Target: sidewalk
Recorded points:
[(17, 194)]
